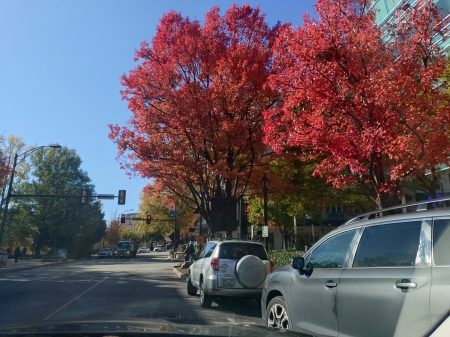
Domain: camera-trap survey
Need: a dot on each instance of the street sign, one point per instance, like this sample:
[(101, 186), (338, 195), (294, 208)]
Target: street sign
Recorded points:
[(172, 212), (265, 231), (136, 219)]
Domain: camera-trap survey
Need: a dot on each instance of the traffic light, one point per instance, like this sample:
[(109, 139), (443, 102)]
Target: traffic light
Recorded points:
[(149, 219), (84, 194), (122, 218), (122, 195)]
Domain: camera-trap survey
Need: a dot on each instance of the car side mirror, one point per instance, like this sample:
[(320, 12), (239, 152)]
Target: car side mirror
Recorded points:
[(298, 263)]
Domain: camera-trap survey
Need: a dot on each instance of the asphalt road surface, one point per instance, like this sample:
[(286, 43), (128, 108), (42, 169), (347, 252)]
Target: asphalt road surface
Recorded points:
[(107, 290)]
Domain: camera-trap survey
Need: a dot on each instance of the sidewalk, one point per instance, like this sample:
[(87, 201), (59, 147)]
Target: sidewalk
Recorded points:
[(29, 264)]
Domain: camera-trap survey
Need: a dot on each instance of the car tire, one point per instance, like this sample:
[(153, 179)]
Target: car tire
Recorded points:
[(277, 315), (191, 289), (205, 299), (250, 271)]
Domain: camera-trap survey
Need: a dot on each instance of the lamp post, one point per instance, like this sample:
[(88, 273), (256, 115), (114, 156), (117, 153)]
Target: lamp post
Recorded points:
[(265, 183), (8, 195)]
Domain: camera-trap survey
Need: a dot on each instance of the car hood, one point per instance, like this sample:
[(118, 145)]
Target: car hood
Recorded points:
[(286, 267), (130, 328)]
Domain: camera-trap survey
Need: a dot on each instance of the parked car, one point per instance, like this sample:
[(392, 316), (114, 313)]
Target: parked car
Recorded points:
[(158, 249), (105, 253), (373, 276), (143, 250), (229, 268)]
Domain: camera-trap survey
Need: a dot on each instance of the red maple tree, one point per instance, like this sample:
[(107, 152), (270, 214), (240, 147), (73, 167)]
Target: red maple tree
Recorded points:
[(364, 99), (197, 98)]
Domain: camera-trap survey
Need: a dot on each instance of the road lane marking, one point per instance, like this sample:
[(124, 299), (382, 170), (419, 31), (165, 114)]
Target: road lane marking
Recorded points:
[(65, 305)]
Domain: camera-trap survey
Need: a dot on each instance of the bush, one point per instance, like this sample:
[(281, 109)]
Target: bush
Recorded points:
[(282, 257), (171, 253)]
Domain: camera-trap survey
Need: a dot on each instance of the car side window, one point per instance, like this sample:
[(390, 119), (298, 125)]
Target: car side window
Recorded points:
[(209, 249), (332, 253), (441, 242), (389, 245)]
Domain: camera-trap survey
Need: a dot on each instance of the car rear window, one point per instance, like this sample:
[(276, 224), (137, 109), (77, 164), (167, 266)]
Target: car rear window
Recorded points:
[(235, 251)]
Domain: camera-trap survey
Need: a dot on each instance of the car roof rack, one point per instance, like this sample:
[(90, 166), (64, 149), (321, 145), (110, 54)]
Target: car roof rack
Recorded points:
[(421, 206)]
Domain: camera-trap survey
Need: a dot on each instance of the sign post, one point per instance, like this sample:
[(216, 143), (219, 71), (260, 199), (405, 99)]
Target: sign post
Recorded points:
[(265, 231)]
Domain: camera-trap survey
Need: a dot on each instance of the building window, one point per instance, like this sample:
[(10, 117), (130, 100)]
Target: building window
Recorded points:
[(443, 6)]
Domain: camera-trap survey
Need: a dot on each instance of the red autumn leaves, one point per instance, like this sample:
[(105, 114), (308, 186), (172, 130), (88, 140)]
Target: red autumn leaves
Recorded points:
[(210, 101)]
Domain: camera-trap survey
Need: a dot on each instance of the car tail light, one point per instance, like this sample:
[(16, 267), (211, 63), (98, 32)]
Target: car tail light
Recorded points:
[(215, 263), (272, 265)]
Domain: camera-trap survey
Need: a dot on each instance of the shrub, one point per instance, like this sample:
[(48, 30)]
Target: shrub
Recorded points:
[(282, 257)]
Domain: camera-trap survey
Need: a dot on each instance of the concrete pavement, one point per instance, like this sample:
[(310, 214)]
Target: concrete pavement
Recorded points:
[(28, 264), (99, 290)]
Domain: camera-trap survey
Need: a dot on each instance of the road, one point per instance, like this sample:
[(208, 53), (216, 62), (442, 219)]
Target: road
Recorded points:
[(107, 290)]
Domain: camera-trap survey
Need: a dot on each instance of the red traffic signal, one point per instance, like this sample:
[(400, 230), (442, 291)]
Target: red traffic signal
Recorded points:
[(122, 218), (149, 219)]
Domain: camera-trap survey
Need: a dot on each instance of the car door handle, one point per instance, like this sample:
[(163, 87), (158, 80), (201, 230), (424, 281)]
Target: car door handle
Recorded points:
[(405, 284), (330, 284)]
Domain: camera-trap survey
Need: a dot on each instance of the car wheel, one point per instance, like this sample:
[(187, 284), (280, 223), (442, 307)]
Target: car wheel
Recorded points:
[(205, 299), (191, 289), (277, 315)]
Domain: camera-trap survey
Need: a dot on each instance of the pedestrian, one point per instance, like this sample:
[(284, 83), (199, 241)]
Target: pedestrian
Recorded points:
[(16, 254), (188, 252)]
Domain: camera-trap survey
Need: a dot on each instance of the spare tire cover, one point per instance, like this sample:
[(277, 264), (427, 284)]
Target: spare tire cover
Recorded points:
[(250, 271)]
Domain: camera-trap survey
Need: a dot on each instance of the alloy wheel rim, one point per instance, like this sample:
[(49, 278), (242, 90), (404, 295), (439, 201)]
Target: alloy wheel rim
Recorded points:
[(278, 317)]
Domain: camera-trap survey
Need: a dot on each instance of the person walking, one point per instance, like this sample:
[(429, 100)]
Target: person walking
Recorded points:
[(16, 254)]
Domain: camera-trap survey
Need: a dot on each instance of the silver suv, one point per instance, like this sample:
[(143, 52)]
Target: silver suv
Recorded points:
[(229, 268), (373, 276)]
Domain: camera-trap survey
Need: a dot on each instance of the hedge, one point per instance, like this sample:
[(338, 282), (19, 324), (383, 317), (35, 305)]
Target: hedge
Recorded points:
[(282, 257)]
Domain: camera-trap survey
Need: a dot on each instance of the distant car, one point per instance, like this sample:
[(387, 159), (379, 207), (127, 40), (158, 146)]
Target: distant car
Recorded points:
[(158, 249), (105, 253), (143, 250)]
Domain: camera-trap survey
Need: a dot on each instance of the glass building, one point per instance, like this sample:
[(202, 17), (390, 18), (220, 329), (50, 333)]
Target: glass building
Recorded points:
[(385, 10)]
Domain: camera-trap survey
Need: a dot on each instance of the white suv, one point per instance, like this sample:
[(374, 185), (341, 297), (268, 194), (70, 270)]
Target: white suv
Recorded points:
[(229, 268)]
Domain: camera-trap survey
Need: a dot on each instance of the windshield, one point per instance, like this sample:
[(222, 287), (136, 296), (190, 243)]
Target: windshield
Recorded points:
[(147, 146), (235, 251)]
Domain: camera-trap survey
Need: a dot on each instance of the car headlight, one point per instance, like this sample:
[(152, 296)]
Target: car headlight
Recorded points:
[(128, 252)]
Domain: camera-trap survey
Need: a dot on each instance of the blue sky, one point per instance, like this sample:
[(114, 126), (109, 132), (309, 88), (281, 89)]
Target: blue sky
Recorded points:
[(60, 68)]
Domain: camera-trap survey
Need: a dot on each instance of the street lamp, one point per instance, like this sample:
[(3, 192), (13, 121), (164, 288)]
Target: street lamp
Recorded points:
[(8, 195), (265, 182)]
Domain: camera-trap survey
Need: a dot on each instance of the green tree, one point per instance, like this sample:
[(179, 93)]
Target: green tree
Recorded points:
[(294, 191), (158, 206), (54, 221)]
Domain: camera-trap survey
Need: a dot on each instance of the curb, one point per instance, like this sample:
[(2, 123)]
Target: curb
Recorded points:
[(183, 277)]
